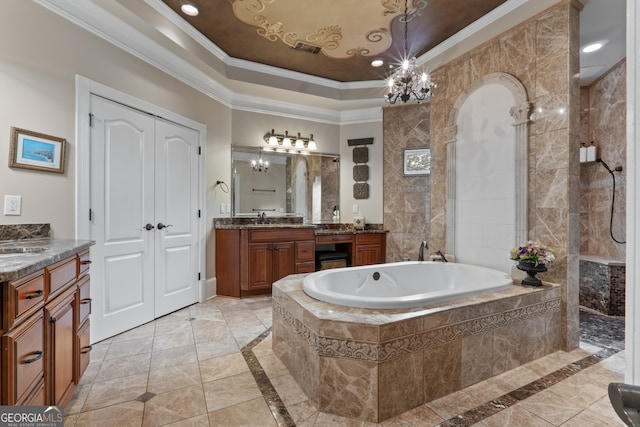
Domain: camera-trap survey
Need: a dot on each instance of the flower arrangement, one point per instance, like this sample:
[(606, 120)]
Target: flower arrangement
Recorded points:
[(533, 251)]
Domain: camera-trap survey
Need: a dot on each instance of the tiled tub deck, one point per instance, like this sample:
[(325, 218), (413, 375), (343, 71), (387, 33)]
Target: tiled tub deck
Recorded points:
[(375, 364)]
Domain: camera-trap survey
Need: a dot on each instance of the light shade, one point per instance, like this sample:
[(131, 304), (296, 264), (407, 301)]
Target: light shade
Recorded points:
[(311, 145), (286, 141)]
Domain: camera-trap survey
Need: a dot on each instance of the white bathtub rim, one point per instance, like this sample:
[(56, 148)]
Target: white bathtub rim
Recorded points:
[(403, 302)]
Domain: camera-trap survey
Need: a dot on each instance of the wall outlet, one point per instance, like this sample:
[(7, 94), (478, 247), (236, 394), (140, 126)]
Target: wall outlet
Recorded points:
[(356, 209), (222, 205), (12, 205)]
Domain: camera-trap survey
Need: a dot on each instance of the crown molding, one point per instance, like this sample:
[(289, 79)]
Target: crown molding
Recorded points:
[(96, 20)]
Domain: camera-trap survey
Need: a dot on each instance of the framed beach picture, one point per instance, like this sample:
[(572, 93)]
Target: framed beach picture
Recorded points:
[(33, 150), (417, 161)]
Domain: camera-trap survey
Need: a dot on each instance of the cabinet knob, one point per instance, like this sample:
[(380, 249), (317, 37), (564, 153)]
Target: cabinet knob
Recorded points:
[(38, 356)]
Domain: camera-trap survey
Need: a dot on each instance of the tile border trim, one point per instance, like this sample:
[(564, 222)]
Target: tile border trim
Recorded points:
[(392, 349)]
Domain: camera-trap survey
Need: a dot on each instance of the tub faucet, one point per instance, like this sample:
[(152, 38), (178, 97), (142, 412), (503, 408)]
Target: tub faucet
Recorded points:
[(439, 252), (423, 246)]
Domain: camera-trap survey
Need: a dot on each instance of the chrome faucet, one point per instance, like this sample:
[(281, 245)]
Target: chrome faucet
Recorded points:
[(439, 252), (423, 246), (261, 218)]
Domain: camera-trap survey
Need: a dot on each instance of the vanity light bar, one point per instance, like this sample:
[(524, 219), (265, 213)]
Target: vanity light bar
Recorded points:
[(290, 142)]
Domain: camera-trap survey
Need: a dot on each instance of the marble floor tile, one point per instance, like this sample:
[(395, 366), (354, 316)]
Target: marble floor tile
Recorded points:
[(514, 416), (175, 405), (553, 408), (230, 391), (129, 348), (252, 413), (222, 367), (173, 356), (117, 390), (174, 377), (126, 414), (207, 365), (124, 367)]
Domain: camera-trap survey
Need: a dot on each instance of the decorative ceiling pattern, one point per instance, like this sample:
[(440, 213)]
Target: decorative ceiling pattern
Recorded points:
[(320, 26), (333, 39)]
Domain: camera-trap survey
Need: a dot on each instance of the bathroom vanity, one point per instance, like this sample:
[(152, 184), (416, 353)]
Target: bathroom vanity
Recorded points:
[(250, 257), (45, 319)]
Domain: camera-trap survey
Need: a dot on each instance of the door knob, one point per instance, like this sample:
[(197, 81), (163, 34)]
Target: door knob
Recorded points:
[(149, 227), (161, 226)]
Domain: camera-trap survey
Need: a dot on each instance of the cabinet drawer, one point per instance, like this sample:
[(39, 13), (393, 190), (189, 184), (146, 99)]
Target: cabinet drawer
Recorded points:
[(305, 267), (25, 358), (334, 238), (305, 251), (84, 262), (25, 297), (60, 274), (369, 239), (84, 299), (286, 234), (36, 398)]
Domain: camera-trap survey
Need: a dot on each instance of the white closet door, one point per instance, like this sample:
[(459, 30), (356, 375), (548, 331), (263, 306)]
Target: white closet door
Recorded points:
[(176, 217), (122, 204), (144, 204)]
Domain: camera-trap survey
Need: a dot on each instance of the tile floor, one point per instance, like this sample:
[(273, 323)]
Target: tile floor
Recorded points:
[(211, 364)]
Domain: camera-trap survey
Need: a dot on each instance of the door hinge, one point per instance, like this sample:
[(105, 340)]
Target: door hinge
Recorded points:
[(199, 150), (90, 119), (198, 276), (90, 215), (199, 213)]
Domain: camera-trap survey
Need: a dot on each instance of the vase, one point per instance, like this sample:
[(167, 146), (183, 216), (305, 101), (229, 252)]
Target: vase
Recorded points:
[(531, 269)]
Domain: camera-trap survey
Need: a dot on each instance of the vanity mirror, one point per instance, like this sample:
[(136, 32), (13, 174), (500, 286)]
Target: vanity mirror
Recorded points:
[(284, 183)]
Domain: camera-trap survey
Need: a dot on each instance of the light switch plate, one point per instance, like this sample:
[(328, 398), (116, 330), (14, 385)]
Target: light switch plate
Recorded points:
[(356, 209), (12, 205)]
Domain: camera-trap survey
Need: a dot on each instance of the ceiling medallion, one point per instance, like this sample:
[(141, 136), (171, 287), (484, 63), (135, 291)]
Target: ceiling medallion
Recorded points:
[(407, 82)]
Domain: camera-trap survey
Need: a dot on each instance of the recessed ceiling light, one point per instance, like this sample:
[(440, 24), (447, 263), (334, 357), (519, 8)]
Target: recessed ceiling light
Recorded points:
[(592, 47), (377, 63), (189, 9)]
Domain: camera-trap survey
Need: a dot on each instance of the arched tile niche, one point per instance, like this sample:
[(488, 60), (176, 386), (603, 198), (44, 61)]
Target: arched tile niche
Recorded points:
[(487, 139)]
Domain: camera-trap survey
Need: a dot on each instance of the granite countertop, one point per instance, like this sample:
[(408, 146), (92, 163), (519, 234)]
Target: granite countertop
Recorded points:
[(19, 258), (254, 226)]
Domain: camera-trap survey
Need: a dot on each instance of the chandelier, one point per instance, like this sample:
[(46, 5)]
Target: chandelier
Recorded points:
[(260, 165), (406, 81)]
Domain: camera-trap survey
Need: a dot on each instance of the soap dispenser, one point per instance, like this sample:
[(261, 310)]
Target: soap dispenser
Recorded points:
[(591, 152), (336, 214), (583, 153)]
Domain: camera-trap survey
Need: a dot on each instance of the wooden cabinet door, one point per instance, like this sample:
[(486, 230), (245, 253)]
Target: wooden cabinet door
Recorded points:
[(260, 265), (368, 254), (60, 333), (283, 260), (23, 353)]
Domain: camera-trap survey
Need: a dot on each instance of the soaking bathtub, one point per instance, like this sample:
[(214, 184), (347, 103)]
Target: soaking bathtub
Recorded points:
[(402, 284)]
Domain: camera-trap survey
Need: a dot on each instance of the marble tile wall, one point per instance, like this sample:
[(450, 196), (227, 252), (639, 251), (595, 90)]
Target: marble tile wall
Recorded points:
[(406, 199), (603, 121), (372, 365), (24, 231), (543, 53)]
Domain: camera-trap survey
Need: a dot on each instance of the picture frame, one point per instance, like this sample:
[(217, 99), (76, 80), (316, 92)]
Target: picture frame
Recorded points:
[(417, 161), (34, 150)]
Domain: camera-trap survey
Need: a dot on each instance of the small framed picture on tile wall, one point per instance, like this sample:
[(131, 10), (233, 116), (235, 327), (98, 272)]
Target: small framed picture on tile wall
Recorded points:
[(417, 161)]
